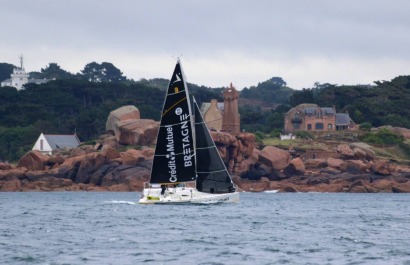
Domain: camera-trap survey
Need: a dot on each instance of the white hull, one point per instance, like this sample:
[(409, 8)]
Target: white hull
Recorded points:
[(152, 195)]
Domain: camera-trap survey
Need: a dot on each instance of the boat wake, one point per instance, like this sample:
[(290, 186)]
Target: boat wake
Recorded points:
[(120, 202), (271, 191)]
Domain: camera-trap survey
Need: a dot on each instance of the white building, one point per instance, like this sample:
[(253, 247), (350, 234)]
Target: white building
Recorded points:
[(19, 78), (47, 143)]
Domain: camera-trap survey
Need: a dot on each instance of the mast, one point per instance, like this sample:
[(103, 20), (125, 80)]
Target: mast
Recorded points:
[(21, 61)]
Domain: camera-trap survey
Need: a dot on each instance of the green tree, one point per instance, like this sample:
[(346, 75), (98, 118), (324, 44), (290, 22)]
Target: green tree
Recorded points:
[(104, 72), (6, 70)]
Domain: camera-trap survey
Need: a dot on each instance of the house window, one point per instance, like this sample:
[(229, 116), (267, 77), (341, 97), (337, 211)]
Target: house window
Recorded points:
[(319, 126), (329, 126), (309, 127), (41, 145)]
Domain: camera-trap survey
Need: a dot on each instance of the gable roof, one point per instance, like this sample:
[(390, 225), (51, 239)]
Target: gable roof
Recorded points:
[(206, 105), (62, 141), (325, 110), (342, 119)]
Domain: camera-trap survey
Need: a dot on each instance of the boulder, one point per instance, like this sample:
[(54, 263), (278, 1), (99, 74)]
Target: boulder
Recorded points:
[(295, 167), (11, 185), (248, 143), (223, 138), (121, 114), (334, 162), (109, 152), (315, 163), (78, 151), (119, 175), (384, 185), (136, 132), (148, 153), (72, 161), (4, 166), (15, 173), (289, 189), (97, 176), (132, 157), (56, 159), (274, 157), (345, 151), (108, 139), (401, 188), (359, 154), (382, 167), (33, 160), (370, 154), (89, 165), (357, 186), (353, 166), (330, 170)]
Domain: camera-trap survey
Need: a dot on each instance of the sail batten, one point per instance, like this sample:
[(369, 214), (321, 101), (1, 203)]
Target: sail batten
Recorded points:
[(179, 123)]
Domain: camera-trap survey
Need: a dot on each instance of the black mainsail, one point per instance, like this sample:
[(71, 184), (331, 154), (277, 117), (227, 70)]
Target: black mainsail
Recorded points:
[(212, 175), (174, 159)]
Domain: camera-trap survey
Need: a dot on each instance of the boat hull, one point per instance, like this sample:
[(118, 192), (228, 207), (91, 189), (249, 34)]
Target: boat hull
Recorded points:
[(185, 195)]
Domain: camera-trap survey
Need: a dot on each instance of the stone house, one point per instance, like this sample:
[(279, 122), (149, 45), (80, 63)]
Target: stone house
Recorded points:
[(212, 113), (47, 143), (311, 117)]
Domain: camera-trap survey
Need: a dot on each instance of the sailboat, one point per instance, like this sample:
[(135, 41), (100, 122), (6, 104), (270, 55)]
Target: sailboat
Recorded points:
[(187, 167)]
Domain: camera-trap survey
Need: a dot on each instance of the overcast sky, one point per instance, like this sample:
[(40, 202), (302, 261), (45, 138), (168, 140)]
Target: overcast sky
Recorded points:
[(221, 41)]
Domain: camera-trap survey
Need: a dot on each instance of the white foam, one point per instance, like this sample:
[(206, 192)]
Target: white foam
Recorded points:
[(271, 191), (121, 202)]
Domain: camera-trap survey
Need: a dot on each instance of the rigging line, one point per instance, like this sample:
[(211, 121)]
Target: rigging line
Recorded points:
[(170, 94), (175, 154), (209, 121), (204, 172), (165, 112), (179, 123), (207, 147)]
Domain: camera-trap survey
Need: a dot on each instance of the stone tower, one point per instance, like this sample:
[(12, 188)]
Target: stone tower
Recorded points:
[(231, 119)]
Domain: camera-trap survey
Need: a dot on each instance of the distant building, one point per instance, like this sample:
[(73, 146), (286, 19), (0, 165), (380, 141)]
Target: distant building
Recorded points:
[(231, 121), (223, 116), (311, 117), (47, 143), (212, 113), (19, 78)]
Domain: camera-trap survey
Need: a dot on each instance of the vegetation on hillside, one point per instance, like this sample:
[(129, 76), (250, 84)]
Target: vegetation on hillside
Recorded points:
[(385, 103), (81, 103), (74, 104)]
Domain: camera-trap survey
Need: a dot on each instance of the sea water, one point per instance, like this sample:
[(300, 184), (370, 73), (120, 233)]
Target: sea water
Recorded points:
[(264, 228)]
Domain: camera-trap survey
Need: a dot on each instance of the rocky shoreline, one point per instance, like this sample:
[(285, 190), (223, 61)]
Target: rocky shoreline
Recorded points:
[(103, 168), (108, 165)]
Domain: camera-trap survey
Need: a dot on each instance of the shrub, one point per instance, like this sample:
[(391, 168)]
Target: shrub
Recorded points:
[(383, 137), (365, 126), (304, 135)]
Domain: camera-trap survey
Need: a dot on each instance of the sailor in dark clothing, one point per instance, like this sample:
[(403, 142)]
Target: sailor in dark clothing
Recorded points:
[(163, 188)]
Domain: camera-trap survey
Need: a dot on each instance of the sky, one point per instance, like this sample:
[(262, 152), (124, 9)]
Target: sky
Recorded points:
[(218, 41)]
